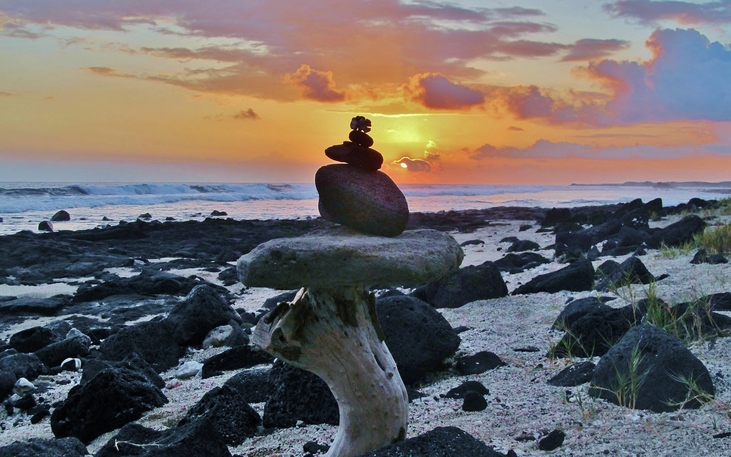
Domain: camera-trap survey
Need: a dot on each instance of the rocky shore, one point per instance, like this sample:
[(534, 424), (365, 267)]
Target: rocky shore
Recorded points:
[(134, 340)]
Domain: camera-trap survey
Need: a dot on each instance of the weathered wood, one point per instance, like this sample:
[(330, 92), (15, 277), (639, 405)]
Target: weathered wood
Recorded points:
[(334, 333)]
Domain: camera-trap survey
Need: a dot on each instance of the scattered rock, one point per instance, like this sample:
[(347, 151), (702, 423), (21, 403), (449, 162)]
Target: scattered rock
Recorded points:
[(552, 441), (63, 447), (516, 263), (60, 216), (76, 345), (217, 213), (576, 277), (468, 284), (478, 363), (296, 395), (418, 337), (201, 311), (252, 384), (112, 398), (440, 442), (228, 412), (702, 256), (194, 439), (524, 245), (235, 358), (631, 271), (151, 340), (45, 226), (473, 401), (467, 386), (574, 375), (657, 363)]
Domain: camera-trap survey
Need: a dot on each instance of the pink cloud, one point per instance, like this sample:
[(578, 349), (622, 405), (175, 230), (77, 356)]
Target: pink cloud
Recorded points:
[(315, 85), (436, 91), (648, 11), (359, 45), (686, 79), (590, 49), (544, 149)]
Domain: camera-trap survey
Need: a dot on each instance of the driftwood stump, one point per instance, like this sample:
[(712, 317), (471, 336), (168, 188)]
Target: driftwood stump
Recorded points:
[(331, 328)]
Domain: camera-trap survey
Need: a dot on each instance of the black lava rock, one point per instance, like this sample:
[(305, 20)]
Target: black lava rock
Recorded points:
[(473, 401), (440, 442), (235, 358), (194, 439), (468, 284), (228, 412), (657, 362), (479, 363), (576, 277), (552, 441), (575, 375), (151, 340), (201, 311), (61, 216), (109, 400), (297, 394), (62, 447), (418, 337), (467, 386)]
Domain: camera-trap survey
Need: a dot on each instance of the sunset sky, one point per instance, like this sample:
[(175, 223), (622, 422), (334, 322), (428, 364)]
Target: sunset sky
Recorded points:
[(469, 91)]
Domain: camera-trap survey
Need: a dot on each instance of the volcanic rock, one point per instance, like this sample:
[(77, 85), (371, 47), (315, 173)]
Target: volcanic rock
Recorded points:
[(661, 364), (440, 442), (296, 394), (60, 216), (62, 447), (576, 277), (468, 284), (418, 337), (365, 200), (478, 363), (112, 398), (228, 412), (194, 439), (45, 226)]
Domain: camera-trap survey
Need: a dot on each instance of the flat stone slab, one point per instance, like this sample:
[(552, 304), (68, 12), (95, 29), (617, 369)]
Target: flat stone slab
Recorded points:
[(344, 257)]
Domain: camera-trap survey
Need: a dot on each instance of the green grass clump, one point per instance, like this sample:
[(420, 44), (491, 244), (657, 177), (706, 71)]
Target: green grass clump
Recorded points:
[(715, 240)]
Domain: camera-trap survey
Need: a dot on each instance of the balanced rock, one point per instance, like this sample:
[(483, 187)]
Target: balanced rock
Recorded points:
[(361, 138), (343, 258), (365, 200), (355, 154)]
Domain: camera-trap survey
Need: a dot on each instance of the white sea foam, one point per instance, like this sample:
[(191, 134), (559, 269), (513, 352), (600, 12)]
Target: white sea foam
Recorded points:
[(24, 205)]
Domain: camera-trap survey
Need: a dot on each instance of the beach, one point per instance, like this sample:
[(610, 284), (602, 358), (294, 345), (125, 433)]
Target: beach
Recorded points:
[(522, 408)]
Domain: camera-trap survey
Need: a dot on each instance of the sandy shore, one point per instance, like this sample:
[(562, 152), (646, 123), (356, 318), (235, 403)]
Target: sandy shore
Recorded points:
[(521, 405)]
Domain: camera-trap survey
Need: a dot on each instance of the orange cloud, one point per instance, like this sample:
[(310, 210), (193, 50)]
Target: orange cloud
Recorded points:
[(315, 85), (436, 91), (249, 114)]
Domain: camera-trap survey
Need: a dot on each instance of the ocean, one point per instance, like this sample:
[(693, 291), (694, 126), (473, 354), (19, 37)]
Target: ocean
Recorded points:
[(24, 205)]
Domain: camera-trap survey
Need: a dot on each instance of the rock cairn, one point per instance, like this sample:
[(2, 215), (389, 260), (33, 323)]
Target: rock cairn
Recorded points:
[(356, 194), (331, 326)]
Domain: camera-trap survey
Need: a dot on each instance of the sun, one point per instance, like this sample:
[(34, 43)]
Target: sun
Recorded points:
[(403, 165)]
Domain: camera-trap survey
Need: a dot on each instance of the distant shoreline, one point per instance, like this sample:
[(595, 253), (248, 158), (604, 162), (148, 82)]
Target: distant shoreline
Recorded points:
[(661, 184)]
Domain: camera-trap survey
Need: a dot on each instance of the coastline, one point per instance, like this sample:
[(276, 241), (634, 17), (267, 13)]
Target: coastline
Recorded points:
[(522, 407)]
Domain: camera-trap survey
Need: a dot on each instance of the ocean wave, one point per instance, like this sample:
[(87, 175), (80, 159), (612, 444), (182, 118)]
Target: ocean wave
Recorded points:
[(19, 198)]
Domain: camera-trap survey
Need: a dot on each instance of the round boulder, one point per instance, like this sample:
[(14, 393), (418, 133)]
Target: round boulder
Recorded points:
[(365, 200)]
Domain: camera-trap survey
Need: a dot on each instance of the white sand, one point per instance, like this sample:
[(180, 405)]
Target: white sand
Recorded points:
[(520, 403)]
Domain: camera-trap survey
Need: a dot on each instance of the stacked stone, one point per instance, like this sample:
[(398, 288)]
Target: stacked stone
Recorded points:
[(356, 194)]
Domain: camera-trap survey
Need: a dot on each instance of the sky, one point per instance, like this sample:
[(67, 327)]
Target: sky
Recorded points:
[(474, 91)]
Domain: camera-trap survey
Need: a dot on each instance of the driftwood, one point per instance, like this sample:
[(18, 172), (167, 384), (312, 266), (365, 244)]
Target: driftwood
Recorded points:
[(331, 328)]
